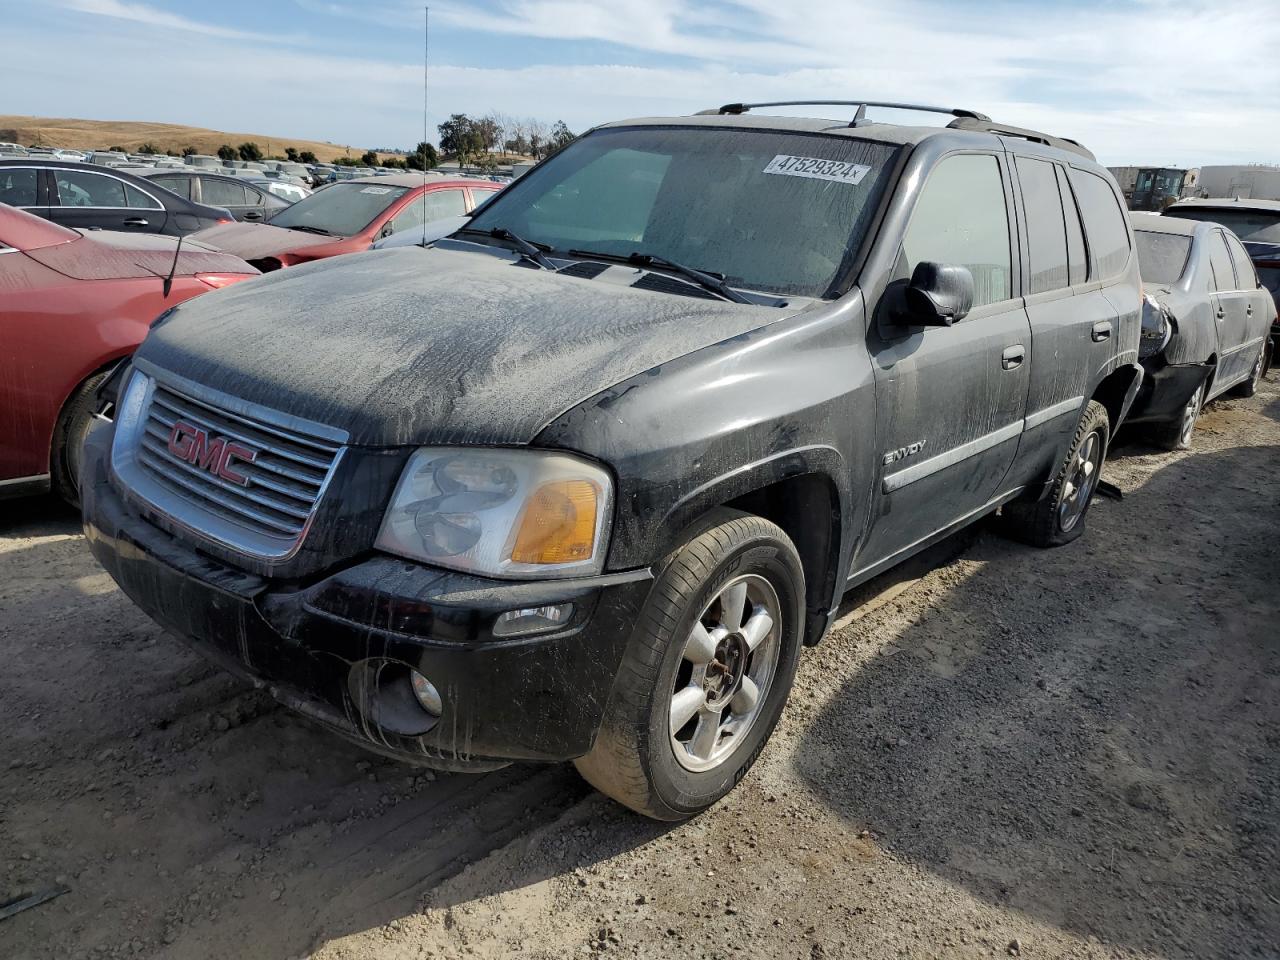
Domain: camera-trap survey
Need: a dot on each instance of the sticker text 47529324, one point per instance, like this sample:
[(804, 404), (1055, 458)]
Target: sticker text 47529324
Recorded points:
[(815, 168)]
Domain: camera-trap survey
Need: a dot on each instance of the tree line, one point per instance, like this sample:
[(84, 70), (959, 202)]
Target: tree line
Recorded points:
[(472, 141)]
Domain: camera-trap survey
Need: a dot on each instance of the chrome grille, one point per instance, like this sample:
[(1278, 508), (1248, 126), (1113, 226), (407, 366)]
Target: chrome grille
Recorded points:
[(284, 467)]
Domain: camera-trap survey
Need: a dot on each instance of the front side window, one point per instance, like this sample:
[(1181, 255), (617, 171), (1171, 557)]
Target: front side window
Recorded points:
[(436, 205), (962, 219), (77, 188), (778, 212), (1105, 224), (18, 186), (340, 210), (1046, 227), (1161, 256)]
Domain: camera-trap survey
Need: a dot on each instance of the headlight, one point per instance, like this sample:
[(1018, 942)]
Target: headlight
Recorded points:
[(502, 513)]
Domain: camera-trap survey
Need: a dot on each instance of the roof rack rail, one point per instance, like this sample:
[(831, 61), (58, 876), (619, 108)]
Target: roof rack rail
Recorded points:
[(985, 125), (858, 118)]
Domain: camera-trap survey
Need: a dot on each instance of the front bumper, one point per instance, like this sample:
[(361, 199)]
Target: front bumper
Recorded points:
[(1165, 390), (537, 697)]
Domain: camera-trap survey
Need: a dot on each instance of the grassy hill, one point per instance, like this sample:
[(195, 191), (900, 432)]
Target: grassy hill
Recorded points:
[(101, 134)]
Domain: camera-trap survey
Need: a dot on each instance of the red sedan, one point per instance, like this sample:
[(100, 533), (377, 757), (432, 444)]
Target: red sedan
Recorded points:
[(347, 217), (71, 304)]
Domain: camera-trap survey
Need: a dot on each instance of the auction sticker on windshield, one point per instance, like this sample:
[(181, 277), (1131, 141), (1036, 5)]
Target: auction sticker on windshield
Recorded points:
[(376, 191), (816, 168)]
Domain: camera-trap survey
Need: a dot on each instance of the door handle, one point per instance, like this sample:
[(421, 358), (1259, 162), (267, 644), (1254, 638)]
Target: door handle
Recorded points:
[(253, 215), (1012, 356), (135, 221), (1101, 331)]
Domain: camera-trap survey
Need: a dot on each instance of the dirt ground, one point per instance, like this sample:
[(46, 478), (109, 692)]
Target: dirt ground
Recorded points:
[(1001, 751)]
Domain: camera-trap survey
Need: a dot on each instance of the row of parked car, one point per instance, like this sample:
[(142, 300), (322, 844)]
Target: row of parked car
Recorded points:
[(579, 474)]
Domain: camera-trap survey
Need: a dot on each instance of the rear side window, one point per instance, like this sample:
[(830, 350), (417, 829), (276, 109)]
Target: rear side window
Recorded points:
[(138, 200), (1246, 277), (1224, 277), (18, 186), (1161, 256), (76, 188), (1046, 227), (961, 218), (1077, 253), (1104, 223), (179, 185), (219, 193)]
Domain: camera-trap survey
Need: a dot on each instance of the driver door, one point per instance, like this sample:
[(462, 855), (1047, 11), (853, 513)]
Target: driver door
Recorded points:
[(950, 400)]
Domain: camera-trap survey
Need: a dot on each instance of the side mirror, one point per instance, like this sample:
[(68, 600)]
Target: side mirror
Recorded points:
[(386, 232), (939, 294)]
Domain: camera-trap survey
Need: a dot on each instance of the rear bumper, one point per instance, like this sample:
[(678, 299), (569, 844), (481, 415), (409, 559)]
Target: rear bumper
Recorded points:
[(1165, 390), (538, 697)]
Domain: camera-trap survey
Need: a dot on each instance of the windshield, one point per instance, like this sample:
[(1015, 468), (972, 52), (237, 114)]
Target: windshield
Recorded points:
[(1258, 225), (342, 209), (1162, 256), (776, 212)]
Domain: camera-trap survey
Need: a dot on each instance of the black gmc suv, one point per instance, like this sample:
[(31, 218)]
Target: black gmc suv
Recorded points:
[(581, 481)]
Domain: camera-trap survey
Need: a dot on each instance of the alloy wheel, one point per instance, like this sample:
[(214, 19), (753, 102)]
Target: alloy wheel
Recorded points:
[(1082, 478), (727, 667), (1190, 413)]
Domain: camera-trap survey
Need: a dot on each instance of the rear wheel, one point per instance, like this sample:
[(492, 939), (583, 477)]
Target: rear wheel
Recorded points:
[(68, 438), (706, 673), (1058, 517), (1176, 435)]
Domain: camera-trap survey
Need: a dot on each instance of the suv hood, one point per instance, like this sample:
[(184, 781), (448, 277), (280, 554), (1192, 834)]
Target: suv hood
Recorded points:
[(252, 241), (419, 346)]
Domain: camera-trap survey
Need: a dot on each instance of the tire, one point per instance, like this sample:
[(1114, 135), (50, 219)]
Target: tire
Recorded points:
[(1250, 386), (1044, 523), (1177, 434), (637, 759), (68, 438)]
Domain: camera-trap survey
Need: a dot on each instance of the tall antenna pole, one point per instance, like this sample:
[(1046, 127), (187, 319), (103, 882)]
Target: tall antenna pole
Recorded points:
[(426, 126)]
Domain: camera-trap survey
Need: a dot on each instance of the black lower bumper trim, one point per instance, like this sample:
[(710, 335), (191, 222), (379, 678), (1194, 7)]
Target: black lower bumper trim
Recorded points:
[(532, 698)]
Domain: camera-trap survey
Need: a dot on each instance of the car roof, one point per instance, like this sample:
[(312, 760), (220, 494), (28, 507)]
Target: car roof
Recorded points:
[(1229, 203), (415, 180), (1158, 223), (966, 128)]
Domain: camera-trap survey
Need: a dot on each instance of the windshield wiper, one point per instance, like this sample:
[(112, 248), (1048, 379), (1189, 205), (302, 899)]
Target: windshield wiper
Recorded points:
[(310, 229), (532, 251), (708, 281)]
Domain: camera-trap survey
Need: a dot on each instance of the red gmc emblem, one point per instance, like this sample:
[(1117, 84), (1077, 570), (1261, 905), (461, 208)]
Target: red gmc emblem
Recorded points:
[(214, 454)]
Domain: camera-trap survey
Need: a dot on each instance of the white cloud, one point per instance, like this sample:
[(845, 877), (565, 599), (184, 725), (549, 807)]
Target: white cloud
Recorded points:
[(150, 16), (1147, 81)]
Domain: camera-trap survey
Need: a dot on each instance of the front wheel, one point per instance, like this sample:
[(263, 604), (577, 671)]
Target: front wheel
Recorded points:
[(1058, 517), (68, 438), (1176, 435), (706, 673)]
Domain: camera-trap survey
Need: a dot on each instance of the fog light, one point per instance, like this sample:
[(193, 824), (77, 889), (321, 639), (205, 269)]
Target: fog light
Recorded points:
[(515, 623), (427, 694)]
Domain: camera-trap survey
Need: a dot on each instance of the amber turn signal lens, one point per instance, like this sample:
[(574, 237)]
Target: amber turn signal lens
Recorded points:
[(559, 524)]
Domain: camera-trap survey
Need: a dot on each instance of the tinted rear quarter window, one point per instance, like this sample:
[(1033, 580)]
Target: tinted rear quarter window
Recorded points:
[(1246, 277), (1105, 225), (1224, 277), (18, 186), (1161, 256), (179, 185), (1046, 228)]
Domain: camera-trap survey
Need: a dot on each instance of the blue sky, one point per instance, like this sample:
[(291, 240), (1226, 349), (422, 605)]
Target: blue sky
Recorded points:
[(1138, 81)]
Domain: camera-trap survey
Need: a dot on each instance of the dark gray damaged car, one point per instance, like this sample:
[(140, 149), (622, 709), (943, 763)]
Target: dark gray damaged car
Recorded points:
[(581, 481)]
